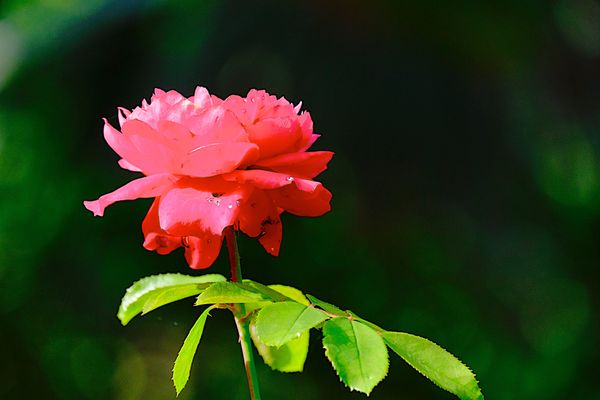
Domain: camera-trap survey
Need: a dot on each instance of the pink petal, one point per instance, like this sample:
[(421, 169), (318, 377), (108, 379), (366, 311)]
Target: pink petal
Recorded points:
[(269, 180), (216, 125), (218, 158), (305, 165), (128, 166), (189, 211), (123, 114), (118, 142), (275, 135), (244, 110), (202, 97), (148, 186), (155, 153)]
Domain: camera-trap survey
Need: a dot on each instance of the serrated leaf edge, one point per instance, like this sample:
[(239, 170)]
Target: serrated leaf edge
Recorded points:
[(205, 314), (387, 360), (421, 373)]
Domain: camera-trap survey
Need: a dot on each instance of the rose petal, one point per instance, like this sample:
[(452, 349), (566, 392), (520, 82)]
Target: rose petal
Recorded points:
[(202, 97), (155, 238), (275, 135), (155, 152), (128, 166), (216, 125), (260, 217), (218, 158), (302, 202), (304, 165), (202, 251), (148, 186), (269, 180), (188, 211), (119, 143)]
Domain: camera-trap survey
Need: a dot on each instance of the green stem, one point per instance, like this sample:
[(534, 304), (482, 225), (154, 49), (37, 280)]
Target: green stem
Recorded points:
[(239, 311)]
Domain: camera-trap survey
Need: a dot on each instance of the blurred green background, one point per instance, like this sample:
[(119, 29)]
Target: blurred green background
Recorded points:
[(466, 188)]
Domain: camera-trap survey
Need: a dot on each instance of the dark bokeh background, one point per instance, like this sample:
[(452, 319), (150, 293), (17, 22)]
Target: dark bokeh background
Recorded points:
[(466, 188)]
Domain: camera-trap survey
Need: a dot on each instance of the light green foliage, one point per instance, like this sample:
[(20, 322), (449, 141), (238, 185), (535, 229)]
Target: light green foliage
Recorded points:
[(281, 318), (151, 287), (435, 363), (171, 295), (291, 292), (289, 357), (231, 292), (357, 353), (278, 323), (183, 363), (330, 308), (267, 291)]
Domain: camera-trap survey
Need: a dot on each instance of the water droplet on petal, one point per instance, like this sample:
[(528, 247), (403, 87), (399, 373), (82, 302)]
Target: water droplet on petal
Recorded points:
[(290, 179), (237, 203), (230, 206)]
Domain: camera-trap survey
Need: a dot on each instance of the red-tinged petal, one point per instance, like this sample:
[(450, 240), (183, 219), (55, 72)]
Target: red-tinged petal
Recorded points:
[(302, 202), (192, 212), (218, 158), (148, 186), (304, 165), (155, 239), (244, 110), (161, 243), (202, 251), (308, 141), (275, 135), (271, 239), (257, 211)]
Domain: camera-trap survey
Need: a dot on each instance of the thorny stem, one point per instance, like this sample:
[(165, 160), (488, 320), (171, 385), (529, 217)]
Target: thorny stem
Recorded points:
[(239, 311)]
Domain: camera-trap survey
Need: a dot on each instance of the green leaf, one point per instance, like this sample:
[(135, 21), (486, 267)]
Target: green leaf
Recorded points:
[(357, 353), (141, 291), (330, 308), (289, 357), (183, 363), (279, 323), (291, 292), (435, 363), (288, 291), (170, 295), (266, 291), (230, 292)]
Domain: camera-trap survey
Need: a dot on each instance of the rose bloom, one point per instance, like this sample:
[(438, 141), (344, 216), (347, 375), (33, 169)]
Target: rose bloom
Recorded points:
[(211, 163)]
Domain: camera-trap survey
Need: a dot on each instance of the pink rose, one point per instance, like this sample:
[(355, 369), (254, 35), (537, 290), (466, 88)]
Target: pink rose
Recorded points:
[(212, 163)]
